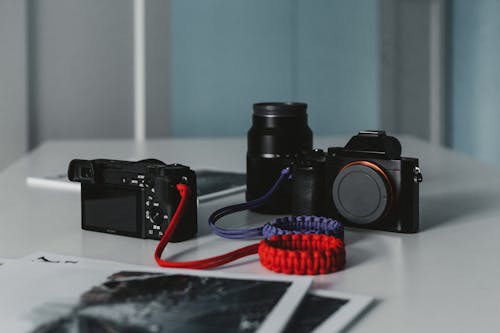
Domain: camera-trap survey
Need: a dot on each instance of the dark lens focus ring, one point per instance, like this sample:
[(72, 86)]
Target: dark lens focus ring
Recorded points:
[(274, 109)]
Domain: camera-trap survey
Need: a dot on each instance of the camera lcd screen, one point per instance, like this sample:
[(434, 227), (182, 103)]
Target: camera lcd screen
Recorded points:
[(111, 210)]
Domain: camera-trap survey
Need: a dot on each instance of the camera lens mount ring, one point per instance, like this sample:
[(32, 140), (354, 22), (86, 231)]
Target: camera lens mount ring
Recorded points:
[(362, 192)]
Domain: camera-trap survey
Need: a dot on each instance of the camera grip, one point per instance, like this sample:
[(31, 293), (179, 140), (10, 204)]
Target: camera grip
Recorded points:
[(307, 185)]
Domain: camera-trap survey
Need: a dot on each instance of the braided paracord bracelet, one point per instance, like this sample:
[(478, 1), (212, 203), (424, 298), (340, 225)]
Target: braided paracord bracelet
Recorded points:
[(309, 254), (290, 253), (303, 225)]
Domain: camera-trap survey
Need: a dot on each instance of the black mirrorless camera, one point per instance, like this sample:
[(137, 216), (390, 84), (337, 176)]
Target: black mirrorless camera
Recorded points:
[(368, 184), (365, 184), (134, 198)]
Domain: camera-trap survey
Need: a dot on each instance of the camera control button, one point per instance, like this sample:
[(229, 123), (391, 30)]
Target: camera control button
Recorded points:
[(417, 178)]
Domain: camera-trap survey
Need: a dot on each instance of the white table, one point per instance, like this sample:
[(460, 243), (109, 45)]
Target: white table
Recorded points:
[(445, 278)]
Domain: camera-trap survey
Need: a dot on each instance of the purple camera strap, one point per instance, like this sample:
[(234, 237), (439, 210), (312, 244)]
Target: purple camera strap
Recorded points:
[(279, 226)]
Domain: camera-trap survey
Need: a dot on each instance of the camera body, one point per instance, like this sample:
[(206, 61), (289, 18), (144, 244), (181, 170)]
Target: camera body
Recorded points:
[(134, 199), (365, 184), (368, 184), (308, 183)]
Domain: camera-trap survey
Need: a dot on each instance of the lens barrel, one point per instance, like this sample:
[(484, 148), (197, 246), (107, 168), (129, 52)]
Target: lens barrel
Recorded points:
[(278, 134)]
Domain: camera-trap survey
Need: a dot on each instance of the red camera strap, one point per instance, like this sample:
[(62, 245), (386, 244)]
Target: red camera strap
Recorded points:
[(291, 254), (185, 192)]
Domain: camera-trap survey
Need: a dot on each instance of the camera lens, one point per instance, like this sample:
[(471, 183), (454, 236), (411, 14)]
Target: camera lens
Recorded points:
[(278, 134), (279, 129)]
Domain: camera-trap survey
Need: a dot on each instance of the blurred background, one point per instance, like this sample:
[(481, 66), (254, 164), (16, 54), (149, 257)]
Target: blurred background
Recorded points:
[(427, 68)]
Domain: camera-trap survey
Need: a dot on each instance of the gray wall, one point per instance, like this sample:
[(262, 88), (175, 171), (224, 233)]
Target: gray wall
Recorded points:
[(82, 69), (225, 55), (207, 62), (13, 105), (157, 68), (81, 74), (412, 67)]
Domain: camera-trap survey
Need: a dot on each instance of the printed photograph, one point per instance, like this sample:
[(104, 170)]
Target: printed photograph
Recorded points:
[(312, 312), (145, 302)]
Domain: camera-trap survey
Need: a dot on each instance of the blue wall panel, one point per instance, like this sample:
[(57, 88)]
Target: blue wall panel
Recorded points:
[(228, 54), (338, 64), (475, 78)]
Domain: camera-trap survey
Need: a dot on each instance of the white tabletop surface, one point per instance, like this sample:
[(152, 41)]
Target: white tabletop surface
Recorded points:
[(444, 279)]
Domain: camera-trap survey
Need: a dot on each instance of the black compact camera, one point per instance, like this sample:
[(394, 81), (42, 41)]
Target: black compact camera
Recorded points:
[(134, 199), (364, 184)]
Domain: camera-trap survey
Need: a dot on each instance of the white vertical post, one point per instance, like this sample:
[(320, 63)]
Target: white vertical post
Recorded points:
[(139, 71)]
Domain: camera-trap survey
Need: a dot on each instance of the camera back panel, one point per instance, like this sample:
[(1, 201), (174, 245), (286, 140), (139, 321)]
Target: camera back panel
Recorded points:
[(135, 199), (113, 209)]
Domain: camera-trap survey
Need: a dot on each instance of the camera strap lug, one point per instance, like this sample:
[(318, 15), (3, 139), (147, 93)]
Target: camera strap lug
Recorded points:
[(417, 175)]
